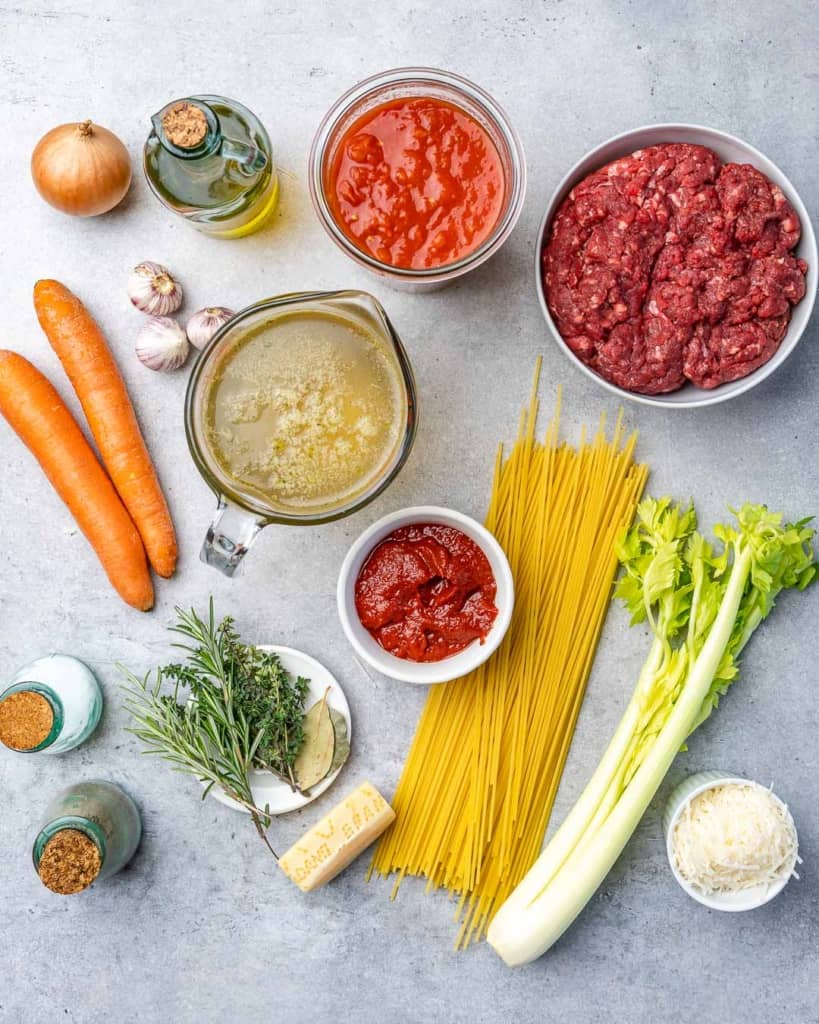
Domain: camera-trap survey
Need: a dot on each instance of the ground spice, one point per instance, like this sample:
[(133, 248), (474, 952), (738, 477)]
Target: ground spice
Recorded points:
[(26, 719), (185, 125), (70, 862)]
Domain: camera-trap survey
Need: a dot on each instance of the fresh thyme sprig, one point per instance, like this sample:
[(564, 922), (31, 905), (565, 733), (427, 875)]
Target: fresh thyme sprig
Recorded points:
[(241, 711)]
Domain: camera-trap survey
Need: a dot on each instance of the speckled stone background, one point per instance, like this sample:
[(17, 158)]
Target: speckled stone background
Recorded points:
[(202, 927)]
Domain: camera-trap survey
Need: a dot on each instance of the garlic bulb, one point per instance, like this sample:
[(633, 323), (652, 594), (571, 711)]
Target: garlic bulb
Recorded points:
[(203, 325), (161, 344), (153, 290)]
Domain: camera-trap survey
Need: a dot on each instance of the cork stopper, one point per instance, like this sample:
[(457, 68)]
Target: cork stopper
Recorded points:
[(185, 125), (26, 719), (70, 862)]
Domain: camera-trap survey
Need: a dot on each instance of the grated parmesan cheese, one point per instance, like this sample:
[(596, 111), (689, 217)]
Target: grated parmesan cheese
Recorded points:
[(734, 837)]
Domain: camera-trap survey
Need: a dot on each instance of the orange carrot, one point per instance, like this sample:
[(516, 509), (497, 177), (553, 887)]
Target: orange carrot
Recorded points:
[(80, 344), (43, 423)]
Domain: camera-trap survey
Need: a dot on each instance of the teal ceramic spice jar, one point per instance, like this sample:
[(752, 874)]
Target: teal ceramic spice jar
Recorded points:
[(51, 705), (89, 832)]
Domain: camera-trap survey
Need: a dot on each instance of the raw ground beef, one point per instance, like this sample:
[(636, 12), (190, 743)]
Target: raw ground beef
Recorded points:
[(667, 266)]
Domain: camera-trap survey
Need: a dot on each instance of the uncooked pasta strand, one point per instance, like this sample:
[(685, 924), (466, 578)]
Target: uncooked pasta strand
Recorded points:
[(474, 799)]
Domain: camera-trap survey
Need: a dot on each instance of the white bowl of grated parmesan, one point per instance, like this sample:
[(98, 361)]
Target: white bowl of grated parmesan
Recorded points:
[(731, 843)]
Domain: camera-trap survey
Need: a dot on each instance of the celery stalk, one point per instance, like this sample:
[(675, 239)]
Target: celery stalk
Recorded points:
[(654, 546), (574, 826), (718, 601)]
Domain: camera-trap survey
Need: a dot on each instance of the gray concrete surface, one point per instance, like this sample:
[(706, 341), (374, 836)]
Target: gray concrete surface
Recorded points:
[(202, 927)]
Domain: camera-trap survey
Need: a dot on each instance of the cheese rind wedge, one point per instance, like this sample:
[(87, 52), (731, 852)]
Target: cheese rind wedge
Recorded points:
[(345, 832)]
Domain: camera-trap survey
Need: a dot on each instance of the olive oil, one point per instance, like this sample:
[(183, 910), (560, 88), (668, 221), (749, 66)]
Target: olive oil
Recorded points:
[(209, 160), (305, 411)]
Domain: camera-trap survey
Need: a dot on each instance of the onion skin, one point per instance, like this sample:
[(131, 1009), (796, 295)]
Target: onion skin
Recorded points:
[(81, 169)]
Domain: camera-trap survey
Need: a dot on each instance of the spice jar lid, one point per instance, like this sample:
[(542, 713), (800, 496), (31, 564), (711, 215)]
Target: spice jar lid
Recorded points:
[(68, 855), (70, 862), (185, 124), (31, 718)]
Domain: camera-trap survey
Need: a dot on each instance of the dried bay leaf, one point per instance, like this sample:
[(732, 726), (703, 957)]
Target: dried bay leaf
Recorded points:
[(316, 754), (342, 748)]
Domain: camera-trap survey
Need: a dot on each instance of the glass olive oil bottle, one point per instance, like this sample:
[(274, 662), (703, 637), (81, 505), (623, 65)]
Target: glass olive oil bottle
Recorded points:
[(209, 160)]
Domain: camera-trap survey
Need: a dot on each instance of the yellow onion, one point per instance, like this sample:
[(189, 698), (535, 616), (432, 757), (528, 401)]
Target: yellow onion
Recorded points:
[(81, 169)]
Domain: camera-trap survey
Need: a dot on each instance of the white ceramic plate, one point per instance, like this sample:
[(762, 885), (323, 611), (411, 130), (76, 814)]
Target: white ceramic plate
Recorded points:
[(728, 148), (268, 790)]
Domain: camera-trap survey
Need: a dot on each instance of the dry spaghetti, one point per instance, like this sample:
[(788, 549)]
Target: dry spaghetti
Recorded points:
[(477, 789)]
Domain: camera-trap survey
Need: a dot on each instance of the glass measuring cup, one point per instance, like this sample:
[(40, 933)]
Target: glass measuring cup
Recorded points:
[(241, 510)]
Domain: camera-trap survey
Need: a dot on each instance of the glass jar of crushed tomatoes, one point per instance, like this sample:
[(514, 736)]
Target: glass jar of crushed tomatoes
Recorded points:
[(418, 175)]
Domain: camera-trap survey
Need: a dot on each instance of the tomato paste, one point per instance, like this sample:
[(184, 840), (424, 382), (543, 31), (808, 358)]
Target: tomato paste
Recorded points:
[(426, 592), (416, 183)]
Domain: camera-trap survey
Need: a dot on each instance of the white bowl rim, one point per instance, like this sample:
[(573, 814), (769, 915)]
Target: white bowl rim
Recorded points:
[(701, 397), (757, 896), (426, 673)]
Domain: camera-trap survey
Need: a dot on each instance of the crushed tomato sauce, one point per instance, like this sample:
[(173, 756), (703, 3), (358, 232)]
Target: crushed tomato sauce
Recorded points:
[(416, 183), (426, 592)]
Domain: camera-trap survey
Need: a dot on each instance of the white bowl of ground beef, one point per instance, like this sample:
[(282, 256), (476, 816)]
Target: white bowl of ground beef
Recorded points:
[(679, 276)]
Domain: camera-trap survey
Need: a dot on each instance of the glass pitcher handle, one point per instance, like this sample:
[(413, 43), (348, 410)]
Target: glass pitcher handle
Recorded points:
[(250, 159), (229, 537)]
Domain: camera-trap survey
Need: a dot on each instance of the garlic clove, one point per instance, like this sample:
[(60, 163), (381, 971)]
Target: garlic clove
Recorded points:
[(205, 323), (153, 289), (161, 344)]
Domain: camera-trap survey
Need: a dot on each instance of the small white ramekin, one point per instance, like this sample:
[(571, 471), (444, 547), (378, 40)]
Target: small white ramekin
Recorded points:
[(688, 789), (424, 673)]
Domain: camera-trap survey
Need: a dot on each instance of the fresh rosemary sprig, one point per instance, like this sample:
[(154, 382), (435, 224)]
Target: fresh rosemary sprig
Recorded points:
[(241, 711)]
